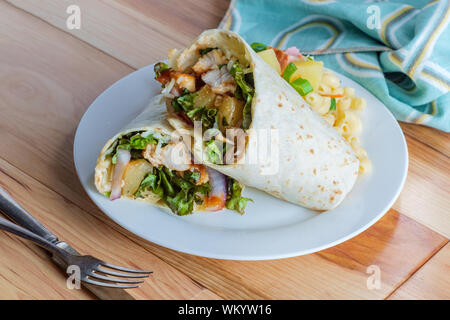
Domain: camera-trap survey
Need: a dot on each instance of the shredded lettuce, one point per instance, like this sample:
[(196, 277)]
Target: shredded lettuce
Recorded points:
[(192, 176), (238, 74), (205, 51), (181, 204), (159, 68), (208, 116), (213, 152), (184, 102), (247, 113), (244, 91), (151, 182), (140, 143), (235, 201), (178, 193), (135, 143)]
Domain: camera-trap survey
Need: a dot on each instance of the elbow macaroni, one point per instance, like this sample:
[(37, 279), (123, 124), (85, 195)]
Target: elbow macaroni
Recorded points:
[(330, 80), (345, 119)]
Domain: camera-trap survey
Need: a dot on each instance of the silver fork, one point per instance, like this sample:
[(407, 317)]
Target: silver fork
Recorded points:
[(92, 270)]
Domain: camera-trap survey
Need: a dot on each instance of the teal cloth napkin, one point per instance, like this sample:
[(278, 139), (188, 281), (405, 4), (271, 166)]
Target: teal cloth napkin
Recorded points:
[(398, 50)]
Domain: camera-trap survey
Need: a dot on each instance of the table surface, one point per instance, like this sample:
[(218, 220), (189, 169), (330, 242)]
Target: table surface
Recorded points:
[(49, 75)]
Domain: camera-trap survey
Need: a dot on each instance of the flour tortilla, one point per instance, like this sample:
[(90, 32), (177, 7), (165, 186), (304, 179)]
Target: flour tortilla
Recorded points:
[(317, 168)]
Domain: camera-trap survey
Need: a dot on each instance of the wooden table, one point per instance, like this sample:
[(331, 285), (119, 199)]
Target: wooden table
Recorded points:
[(49, 75)]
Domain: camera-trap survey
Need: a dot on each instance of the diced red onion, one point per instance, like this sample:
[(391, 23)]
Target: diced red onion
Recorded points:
[(123, 158), (175, 92), (292, 51), (218, 193), (292, 59)]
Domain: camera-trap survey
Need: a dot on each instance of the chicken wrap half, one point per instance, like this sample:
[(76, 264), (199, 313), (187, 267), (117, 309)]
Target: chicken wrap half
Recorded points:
[(148, 161), (218, 85)]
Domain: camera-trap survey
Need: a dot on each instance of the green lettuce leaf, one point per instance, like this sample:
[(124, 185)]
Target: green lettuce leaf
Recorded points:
[(178, 193), (205, 51), (184, 102), (134, 143), (213, 152), (181, 204), (235, 201), (244, 92), (159, 68)]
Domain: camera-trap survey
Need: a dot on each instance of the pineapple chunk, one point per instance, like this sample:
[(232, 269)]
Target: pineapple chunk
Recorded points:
[(205, 97), (231, 111), (270, 57), (310, 70), (134, 173)]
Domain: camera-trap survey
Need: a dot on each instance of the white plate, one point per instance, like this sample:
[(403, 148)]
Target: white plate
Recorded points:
[(271, 228)]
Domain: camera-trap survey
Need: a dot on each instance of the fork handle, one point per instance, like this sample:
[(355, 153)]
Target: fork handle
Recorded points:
[(27, 234), (12, 209)]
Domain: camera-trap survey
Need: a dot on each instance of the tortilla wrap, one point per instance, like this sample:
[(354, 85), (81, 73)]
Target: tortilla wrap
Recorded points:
[(316, 167), (152, 119)]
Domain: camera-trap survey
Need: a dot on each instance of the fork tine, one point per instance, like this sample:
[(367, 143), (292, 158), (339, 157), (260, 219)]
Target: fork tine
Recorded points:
[(109, 285), (125, 269), (100, 277), (120, 274)]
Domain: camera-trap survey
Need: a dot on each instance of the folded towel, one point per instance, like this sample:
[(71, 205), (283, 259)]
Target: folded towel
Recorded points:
[(398, 50)]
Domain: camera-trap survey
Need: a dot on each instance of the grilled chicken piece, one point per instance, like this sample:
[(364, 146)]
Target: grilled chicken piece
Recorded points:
[(174, 156), (185, 81), (211, 60), (220, 81)]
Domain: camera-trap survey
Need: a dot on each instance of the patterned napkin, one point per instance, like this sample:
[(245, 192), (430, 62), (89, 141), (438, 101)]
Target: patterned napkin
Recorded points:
[(398, 50)]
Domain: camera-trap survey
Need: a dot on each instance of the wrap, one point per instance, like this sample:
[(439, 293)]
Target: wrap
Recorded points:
[(148, 161), (314, 166), (153, 119)]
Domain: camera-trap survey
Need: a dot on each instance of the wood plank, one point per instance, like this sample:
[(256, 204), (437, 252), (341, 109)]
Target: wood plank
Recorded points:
[(336, 273), (137, 32), (426, 195), (433, 138), (26, 268), (206, 295), (430, 282), (47, 81)]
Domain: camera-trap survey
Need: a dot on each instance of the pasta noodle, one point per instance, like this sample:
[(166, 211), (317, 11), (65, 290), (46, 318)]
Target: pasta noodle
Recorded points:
[(313, 98), (365, 166), (338, 91), (344, 117), (331, 80), (349, 92), (324, 89), (354, 141), (353, 122), (358, 103), (330, 118), (324, 106), (344, 103)]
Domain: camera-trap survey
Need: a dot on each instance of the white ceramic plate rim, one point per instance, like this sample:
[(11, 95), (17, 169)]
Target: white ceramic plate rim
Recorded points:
[(207, 252)]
